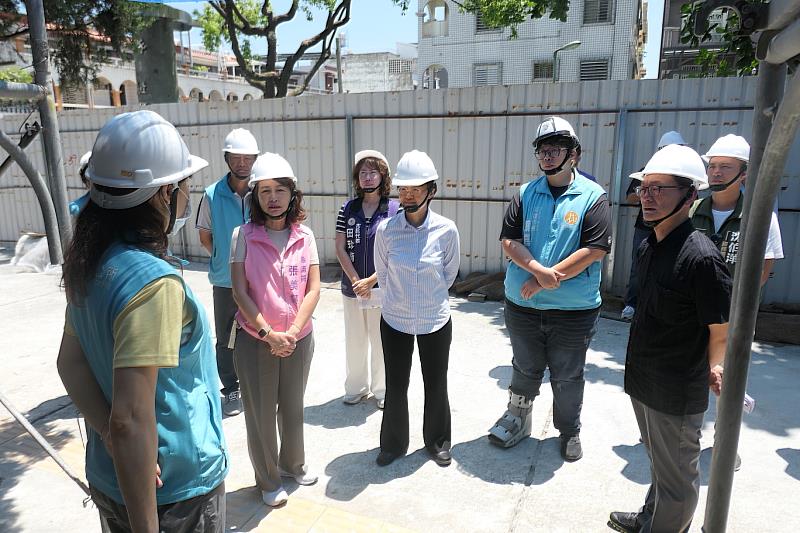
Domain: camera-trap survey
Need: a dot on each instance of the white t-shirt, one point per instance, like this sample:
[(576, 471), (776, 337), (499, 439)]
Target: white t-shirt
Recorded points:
[(774, 248)]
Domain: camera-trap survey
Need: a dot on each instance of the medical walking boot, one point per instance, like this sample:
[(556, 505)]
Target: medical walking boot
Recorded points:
[(515, 424)]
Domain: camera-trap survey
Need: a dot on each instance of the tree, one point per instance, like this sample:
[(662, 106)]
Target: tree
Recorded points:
[(237, 22), (16, 74), (511, 13), (85, 30), (731, 42)]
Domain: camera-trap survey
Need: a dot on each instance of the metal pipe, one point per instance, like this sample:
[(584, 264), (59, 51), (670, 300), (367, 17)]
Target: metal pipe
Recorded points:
[(349, 133), (40, 188), (21, 91), (51, 139), (746, 295), (785, 45), (43, 443), (28, 137)]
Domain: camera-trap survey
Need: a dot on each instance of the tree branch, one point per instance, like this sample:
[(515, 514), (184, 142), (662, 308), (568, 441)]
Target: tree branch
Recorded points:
[(286, 17), (338, 17), (323, 56), (17, 33)]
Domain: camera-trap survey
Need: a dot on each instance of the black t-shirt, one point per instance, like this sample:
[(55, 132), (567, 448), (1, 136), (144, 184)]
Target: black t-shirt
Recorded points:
[(595, 229), (684, 286)]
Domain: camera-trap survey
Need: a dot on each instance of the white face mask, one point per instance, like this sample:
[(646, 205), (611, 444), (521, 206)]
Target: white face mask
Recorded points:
[(181, 221)]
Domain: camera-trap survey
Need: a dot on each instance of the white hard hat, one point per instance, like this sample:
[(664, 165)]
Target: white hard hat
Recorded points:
[(140, 150), (729, 146), (415, 168), (269, 166), (671, 137), (676, 160), (240, 141), (554, 127), (364, 154)]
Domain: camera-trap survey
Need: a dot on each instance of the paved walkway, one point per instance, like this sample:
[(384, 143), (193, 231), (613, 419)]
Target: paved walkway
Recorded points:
[(526, 488)]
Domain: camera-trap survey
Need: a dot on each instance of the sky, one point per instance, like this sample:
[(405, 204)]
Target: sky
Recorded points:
[(377, 25)]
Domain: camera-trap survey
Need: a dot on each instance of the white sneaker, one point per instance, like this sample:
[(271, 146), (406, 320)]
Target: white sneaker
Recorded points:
[(301, 479), (381, 403), (275, 498), (627, 313), (352, 399)]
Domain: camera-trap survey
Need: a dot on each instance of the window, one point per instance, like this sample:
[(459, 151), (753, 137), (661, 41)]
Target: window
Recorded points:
[(594, 70), (487, 74), (543, 71), (596, 11), (396, 66), (481, 27)]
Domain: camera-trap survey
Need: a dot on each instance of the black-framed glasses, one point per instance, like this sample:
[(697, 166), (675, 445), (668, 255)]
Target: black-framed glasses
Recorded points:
[(552, 152), (654, 190)]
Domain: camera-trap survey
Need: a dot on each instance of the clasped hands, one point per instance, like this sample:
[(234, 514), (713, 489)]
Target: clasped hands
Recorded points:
[(543, 278)]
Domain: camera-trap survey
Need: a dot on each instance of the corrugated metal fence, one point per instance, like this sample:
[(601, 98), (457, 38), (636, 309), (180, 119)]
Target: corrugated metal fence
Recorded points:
[(479, 138)]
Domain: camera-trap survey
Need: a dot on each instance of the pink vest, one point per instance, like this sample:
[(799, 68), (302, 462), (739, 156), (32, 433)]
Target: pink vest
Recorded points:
[(277, 282)]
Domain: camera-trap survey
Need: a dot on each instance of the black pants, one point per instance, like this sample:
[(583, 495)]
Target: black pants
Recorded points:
[(224, 313), (434, 353), (201, 514)]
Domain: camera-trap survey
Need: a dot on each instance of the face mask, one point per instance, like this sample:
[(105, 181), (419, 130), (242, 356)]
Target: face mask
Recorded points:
[(177, 223)]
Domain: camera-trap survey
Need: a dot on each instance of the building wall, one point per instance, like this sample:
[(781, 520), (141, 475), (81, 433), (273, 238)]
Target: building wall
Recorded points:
[(462, 47), (363, 73)]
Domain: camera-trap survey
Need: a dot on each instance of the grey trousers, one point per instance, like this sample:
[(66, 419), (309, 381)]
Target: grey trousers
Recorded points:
[(224, 313), (673, 446), (272, 391)]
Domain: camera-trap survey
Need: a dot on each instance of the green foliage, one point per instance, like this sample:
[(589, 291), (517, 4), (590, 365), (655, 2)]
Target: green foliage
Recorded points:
[(78, 24), (16, 74), (732, 43), (511, 13)]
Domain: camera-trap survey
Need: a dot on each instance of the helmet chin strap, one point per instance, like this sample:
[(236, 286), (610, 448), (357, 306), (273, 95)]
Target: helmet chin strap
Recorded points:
[(559, 168), (719, 187), (425, 201), (278, 217), (653, 223), (173, 213), (372, 189)]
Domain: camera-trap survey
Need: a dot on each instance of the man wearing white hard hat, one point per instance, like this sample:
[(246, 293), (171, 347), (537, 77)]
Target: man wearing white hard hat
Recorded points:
[(556, 232), (417, 256), (719, 216), (641, 231), (225, 206), (677, 339)]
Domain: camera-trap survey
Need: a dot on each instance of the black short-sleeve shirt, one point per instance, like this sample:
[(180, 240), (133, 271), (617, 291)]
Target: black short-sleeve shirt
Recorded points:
[(595, 230), (684, 286)]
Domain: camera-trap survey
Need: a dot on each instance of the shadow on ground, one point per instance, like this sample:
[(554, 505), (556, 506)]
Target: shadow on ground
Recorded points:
[(352, 473), (524, 464), (792, 458), (334, 414), (18, 450)]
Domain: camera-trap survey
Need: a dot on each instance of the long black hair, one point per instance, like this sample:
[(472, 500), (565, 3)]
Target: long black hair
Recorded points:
[(97, 229)]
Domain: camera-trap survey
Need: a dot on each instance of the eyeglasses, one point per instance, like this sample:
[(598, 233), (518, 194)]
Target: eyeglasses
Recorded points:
[(552, 152), (369, 174), (654, 190)]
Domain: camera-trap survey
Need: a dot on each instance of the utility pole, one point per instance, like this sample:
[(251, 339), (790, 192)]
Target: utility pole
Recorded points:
[(339, 39), (51, 139)]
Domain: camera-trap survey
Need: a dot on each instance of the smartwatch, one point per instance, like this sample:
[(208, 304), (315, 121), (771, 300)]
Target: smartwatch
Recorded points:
[(263, 332)]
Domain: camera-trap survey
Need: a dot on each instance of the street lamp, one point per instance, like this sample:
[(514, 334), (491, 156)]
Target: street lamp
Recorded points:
[(569, 46)]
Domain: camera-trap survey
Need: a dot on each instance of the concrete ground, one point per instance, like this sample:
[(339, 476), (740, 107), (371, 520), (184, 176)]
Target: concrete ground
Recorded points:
[(526, 488)]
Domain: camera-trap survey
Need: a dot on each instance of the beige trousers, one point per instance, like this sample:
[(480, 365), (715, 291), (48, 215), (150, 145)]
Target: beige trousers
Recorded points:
[(272, 392), (364, 350)]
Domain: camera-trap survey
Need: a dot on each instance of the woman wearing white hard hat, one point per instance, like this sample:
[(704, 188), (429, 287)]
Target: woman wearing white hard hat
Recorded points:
[(416, 259), (276, 284), (356, 224), (137, 357), (677, 339), (77, 205)]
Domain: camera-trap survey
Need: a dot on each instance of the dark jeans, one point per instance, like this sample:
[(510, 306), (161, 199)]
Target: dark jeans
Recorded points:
[(638, 236), (224, 313), (201, 514), (434, 353), (557, 340)]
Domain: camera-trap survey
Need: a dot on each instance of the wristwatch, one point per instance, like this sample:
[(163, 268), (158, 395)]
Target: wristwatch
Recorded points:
[(264, 332)]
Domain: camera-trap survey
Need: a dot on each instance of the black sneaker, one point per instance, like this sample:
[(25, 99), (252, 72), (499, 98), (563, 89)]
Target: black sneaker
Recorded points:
[(571, 449), (624, 522), (232, 404)]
